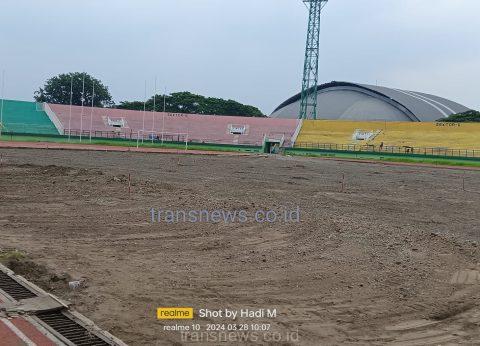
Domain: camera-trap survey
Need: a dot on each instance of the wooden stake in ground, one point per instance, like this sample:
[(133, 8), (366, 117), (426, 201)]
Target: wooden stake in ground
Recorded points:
[(129, 184)]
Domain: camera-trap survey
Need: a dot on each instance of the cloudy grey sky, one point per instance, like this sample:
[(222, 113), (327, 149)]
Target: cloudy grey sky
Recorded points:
[(248, 50)]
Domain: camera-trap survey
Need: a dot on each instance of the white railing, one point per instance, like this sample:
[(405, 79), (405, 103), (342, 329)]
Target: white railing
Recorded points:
[(53, 118)]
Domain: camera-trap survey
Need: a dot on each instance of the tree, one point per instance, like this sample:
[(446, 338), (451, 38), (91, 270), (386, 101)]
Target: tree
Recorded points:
[(465, 117), (57, 90), (186, 102)]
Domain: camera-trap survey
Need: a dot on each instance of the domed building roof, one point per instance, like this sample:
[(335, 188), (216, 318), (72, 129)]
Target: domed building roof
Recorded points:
[(350, 101)]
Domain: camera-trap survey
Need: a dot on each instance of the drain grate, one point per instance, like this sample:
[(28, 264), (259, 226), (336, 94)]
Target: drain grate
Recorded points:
[(13, 288), (70, 329)]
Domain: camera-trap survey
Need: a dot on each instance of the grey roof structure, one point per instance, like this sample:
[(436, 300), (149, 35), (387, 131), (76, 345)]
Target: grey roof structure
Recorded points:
[(350, 101)]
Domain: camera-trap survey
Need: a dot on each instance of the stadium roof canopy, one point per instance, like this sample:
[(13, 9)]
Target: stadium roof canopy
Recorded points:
[(350, 101)]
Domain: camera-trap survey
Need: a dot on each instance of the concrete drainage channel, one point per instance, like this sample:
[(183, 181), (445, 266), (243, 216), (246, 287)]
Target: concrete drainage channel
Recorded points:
[(31, 316)]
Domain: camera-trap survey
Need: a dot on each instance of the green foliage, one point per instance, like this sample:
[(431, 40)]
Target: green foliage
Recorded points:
[(57, 90), (465, 117), (7, 256), (186, 102)]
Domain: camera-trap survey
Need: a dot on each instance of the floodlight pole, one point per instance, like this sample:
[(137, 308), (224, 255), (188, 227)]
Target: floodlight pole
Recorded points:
[(83, 99), (154, 105), (144, 110), (91, 112), (308, 103), (1, 106), (164, 107), (71, 100), (164, 99)]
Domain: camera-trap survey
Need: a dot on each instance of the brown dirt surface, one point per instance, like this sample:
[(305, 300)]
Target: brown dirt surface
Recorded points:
[(393, 259), (109, 148)]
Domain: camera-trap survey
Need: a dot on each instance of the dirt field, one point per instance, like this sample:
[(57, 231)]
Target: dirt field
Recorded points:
[(392, 259)]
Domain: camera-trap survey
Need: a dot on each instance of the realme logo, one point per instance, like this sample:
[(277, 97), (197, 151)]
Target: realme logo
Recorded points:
[(175, 313)]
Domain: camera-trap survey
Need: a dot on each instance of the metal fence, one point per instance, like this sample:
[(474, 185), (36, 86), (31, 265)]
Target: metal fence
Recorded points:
[(370, 148), (155, 137), (130, 135)]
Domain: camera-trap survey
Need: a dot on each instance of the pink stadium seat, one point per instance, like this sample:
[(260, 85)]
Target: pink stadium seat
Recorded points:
[(199, 128)]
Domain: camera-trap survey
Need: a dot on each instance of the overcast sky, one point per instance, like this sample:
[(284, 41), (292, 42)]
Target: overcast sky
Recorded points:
[(248, 50)]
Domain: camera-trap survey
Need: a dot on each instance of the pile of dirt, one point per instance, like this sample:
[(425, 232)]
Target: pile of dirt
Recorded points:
[(47, 279)]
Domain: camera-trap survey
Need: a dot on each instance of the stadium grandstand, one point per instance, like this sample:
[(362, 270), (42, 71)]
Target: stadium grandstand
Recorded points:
[(361, 102), (433, 135), (108, 122), (26, 117), (435, 138)]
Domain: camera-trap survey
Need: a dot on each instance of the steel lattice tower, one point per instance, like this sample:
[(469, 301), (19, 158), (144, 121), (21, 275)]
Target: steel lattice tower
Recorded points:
[(308, 105)]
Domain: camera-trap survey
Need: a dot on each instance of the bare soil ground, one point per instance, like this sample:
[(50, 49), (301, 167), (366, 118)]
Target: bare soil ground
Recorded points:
[(392, 259)]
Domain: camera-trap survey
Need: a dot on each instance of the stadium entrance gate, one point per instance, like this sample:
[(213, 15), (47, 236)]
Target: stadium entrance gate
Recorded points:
[(272, 145)]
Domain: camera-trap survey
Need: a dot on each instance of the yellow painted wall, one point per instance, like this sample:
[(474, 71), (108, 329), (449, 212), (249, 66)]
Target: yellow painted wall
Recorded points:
[(430, 135)]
